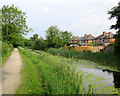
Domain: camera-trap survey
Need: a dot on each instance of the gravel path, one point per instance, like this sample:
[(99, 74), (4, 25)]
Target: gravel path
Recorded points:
[(11, 73)]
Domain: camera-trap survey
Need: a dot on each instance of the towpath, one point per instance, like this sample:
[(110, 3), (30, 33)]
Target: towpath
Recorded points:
[(11, 73)]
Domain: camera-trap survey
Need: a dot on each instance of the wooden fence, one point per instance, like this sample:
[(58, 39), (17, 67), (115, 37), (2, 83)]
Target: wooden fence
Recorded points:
[(84, 48)]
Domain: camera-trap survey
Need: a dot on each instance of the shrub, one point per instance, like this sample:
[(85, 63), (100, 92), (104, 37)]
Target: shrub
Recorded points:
[(39, 44), (6, 48)]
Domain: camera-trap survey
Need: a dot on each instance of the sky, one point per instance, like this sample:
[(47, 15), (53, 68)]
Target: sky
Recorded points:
[(77, 16)]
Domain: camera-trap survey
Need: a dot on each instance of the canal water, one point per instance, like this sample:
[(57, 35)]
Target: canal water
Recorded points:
[(112, 78), (104, 81)]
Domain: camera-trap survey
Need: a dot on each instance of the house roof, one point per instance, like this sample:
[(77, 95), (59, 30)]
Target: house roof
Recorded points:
[(77, 38), (108, 35), (88, 37)]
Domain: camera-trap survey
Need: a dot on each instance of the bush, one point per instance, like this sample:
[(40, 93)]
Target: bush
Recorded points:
[(39, 44), (6, 48)]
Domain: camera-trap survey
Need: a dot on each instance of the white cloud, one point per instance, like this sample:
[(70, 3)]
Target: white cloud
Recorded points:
[(110, 3), (45, 8), (90, 11), (77, 26)]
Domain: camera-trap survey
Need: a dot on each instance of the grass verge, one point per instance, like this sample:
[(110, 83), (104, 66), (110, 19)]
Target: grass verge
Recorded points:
[(43, 74), (5, 57)]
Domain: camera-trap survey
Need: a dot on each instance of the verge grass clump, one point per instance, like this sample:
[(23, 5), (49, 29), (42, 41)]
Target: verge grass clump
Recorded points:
[(107, 59), (5, 51), (54, 77)]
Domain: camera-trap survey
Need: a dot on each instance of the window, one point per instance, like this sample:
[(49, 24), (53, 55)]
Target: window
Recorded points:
[(98, 40), (103, 40), (86, 41)]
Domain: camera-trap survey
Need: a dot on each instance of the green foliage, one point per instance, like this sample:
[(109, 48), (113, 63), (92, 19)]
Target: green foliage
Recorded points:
[(52, 37), (107, 59), (39, 44), (54, 77), (35, 37), (57, 38), (28, 42), (13, 25), (0, 25), (115, 13), (93, 44), (6, 48), (5, 51), (66, 36), (30, 83)]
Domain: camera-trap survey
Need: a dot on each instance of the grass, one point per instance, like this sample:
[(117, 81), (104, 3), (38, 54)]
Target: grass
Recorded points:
[(105, 59), (30, 83), (44, 74), (5, 52), (5, 57)]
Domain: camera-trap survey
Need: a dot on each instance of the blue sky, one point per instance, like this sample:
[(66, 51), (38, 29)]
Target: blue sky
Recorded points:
[(77, 16)]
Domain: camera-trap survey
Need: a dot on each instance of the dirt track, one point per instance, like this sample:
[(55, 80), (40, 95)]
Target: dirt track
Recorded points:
[(11, 73)]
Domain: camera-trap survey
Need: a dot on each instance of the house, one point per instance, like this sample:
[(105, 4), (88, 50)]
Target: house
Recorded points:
[(102, 40), (75, 39), (86, 39), (105, 38)]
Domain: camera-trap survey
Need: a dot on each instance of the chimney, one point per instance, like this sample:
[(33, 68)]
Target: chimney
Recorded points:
[(90, 34), (104, 33), (85, 35), (110, 34), (73, 36)]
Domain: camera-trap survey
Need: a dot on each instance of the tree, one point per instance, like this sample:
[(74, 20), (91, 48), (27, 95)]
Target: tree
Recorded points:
[(53, 37), (66, 36), (93, 44), (115, 12), (13, 24), (28, 43), (35, 37), (39, 44), (57, 38)]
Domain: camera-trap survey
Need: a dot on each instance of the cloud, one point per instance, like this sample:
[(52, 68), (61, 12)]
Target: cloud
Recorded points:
[(110, 3), (90, 11), (77, 26), (45, 8)]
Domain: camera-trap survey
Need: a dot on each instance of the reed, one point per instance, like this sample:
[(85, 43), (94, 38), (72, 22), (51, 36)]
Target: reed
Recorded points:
[(107, 58)]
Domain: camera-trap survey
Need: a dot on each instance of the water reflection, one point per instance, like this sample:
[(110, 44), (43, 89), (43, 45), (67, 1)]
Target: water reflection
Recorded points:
[(112, 77), (116, 77)]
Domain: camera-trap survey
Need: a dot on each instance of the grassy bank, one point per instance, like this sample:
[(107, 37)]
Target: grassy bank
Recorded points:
[(43, 73), (106, 59), (5, 51)]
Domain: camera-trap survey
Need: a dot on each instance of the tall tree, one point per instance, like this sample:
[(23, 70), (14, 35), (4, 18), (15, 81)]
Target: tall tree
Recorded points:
[(115, 13), (66, 36), (35, 37), (13, 23), (39, 44), (53, 37)]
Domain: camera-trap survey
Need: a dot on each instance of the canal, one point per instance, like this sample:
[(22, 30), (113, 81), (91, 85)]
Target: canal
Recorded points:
[(103, 81)]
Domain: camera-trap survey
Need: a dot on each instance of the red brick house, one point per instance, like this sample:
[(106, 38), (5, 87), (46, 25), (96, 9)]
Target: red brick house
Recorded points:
[(105, 38), (102, 39), (86, 39)]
